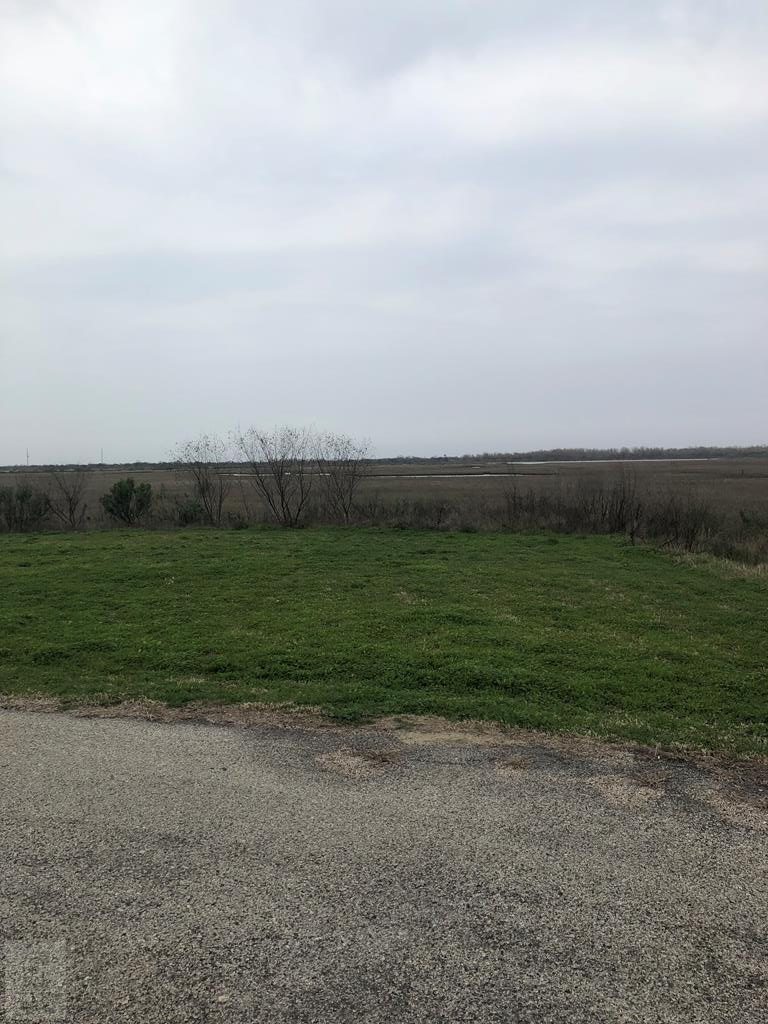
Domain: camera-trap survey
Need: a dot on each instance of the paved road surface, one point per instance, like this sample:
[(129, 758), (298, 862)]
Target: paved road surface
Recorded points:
[(179, 872)]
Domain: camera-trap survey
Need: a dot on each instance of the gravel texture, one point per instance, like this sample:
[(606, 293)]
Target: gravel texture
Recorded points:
[(271, 872)]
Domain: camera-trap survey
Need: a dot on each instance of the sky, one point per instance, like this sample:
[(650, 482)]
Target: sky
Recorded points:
[(445, 226)]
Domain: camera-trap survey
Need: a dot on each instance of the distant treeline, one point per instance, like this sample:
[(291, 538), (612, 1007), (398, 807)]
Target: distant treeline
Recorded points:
[(543, 455), (600, 454)]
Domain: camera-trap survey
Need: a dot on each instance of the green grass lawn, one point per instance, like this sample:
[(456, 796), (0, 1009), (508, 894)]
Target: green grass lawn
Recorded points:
[(562, 633)]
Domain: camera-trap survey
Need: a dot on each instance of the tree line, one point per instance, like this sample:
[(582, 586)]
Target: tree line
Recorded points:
[(625, 454), (639, 453)]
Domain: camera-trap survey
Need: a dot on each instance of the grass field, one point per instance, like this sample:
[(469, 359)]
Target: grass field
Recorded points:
[(587, 635)]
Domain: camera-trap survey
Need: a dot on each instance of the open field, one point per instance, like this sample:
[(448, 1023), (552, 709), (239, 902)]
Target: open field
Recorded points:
[(727, 485), (583, 634)]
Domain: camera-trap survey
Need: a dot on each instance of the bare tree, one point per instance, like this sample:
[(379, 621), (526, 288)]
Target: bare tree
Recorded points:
[(203, 463), (282, 461), (67, 489), (342, 464)]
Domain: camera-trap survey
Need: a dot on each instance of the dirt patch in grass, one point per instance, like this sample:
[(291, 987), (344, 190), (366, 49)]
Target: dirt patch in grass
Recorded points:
[(432, 730), (246, 714), (649, 767), (624, 775)]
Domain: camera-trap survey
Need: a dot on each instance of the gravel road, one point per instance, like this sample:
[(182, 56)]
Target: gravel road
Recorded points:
[(164, 872)]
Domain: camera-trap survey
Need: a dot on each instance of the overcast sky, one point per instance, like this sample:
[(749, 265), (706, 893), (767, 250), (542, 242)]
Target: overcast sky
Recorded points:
[(444, 225)]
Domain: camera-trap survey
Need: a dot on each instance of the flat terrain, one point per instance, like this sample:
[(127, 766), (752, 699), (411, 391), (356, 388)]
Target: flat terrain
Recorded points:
[(726, 484), (169, 873), (553, 632)]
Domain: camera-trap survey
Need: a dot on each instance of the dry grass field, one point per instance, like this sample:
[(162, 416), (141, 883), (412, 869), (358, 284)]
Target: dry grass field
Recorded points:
[(726, 484)]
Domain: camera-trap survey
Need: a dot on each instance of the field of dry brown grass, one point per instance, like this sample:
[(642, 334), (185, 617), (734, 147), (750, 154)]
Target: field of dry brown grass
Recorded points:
[(727, 485)]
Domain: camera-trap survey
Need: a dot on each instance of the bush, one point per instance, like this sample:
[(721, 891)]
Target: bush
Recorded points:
[(681, 521), (188, 512), (203, 464), (238, 521), (23, 508), (128, 502), (66, 496)]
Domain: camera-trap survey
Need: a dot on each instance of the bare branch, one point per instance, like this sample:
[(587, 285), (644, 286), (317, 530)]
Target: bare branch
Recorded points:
[(282, 463), (342, 464), (66, 491), (203, 464)]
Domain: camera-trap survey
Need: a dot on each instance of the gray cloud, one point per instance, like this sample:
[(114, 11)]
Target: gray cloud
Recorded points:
[(447, 226)]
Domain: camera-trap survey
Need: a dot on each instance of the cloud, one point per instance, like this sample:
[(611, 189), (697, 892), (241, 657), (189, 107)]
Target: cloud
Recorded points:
[(458, 184)]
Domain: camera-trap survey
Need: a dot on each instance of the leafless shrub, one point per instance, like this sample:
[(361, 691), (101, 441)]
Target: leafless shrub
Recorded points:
[(681, 521), (342, 465), (282, 461), (589, 507), (422, 513), (203, 464), (66, 491), (369, 510), (246, 514), (611, 507)]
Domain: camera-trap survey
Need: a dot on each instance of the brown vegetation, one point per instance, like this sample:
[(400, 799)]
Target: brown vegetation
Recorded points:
[(714, 505)]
